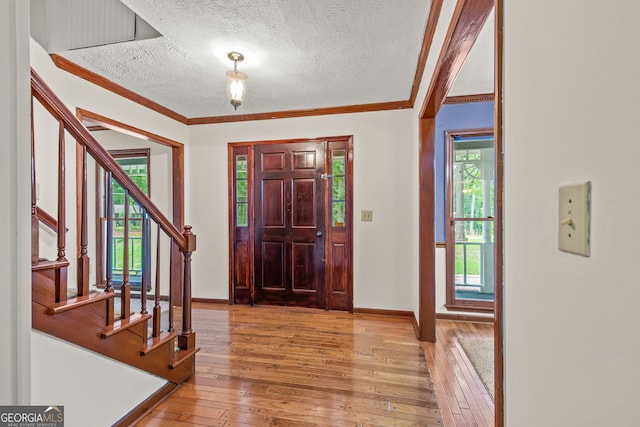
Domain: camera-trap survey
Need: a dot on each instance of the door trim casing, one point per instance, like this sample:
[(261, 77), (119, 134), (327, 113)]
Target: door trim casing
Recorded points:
[(247, 294)]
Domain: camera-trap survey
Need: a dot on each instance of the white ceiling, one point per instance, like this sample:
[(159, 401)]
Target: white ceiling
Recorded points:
[(299, 54)]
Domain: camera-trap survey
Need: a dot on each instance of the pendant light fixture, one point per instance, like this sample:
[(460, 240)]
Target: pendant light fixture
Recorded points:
[(236, 81)]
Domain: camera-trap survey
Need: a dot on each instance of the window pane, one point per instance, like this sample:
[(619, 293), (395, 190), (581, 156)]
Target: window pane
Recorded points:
[(242, 219), (339, 209), (136, 168), (135, 210), (135, 254), (241, 191), (473, 261), (241, 166), (338, 188), (117, 249), (117, 188), (135, 226), (338, 193), (338, 162), (473, 179), (118, 227), (141, 182)]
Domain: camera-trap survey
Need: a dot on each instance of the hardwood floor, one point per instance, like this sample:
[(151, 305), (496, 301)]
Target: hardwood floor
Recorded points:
[(284, 366), (462, 397)]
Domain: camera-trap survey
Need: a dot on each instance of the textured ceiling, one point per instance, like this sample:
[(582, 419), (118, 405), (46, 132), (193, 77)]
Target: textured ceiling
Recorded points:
[(299, 54)]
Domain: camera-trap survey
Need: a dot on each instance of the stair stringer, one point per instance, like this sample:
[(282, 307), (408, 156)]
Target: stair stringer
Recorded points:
[(84, 325)]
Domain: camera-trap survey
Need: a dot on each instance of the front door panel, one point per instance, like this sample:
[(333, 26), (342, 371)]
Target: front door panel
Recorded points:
[(289, 230)]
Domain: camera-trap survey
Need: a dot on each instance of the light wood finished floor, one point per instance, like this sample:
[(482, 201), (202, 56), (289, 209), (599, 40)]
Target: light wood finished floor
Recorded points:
[(462, 397), (284, 366), (268, 366)]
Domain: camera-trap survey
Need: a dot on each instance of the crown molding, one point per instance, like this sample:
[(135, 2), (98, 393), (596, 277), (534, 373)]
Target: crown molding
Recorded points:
[(362, 108), (464, 99), (90, 76)]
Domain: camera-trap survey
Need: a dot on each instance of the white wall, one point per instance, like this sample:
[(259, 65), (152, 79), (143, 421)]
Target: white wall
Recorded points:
[(385, 176), (95, 391), (571, 104), (441, 280), (15, 249)]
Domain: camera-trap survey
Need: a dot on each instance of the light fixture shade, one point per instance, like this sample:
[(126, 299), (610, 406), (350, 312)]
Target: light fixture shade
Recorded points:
[(236, 87)]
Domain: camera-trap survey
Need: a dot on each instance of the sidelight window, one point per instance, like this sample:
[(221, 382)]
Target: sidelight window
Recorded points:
[(242, 191), (339, 192)]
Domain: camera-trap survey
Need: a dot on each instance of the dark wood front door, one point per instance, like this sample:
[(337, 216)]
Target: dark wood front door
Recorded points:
[(290, 224)]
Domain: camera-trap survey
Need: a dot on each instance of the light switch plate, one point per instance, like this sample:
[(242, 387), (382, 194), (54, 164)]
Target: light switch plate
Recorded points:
[(574, 217), (366, 215)]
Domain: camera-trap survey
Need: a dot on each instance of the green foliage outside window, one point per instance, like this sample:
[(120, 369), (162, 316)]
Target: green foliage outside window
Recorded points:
[(136, 168), (242, 192), (339, 188), (473, 190)]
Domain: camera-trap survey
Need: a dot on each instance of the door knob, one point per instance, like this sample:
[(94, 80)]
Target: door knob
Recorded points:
[(319, 234)]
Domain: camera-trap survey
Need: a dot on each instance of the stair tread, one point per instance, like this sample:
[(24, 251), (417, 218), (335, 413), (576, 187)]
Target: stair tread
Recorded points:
[(124, 324), (45, 264), (182, 355), (73, 303), (157, 342)]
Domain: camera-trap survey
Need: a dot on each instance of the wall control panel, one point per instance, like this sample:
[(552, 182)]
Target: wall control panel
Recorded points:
[(574, 218), (366, 216)]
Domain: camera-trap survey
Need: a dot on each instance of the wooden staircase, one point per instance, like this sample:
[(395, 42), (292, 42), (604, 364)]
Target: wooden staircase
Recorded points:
[(101, 319)]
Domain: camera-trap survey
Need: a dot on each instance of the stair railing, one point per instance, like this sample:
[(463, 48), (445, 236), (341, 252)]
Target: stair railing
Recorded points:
[(185, 240)]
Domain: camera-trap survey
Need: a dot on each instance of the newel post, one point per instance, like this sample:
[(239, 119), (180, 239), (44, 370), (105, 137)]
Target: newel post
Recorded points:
[(187, 338)]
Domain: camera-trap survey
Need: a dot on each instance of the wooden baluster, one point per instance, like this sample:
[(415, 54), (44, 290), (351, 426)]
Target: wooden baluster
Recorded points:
[(83, 260), (170, 302), (125, 290), (187, 338), (61, 194), (157, 310), (35, 224), (145, 271), (60, 291), (146, 261), (108, 213)]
